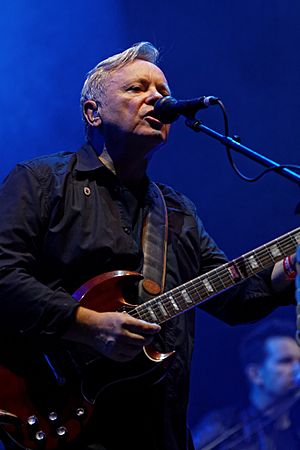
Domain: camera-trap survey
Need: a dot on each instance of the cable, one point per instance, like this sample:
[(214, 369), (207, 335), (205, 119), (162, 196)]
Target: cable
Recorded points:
[(233, 164)]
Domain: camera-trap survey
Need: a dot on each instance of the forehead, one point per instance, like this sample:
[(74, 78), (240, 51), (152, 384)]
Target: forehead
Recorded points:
[(139, 69), (278, 347)]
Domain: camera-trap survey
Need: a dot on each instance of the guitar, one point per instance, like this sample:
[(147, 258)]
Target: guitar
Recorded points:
[(52, 414)]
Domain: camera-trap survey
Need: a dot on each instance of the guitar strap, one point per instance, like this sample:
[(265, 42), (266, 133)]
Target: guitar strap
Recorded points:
[(154, 243), (154, 238)]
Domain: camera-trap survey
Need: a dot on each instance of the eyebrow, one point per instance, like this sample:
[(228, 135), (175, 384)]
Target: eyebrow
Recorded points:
[(143, 80)]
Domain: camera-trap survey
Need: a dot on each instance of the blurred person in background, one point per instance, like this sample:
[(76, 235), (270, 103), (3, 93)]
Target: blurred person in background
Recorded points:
[(270, 359)]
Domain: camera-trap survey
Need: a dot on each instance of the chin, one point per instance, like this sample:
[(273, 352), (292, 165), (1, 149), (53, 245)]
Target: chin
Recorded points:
[(151, 131), (153, 138)]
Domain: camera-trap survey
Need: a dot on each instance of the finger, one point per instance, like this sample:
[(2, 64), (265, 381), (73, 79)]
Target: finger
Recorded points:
[(142, 327), (135, 339)]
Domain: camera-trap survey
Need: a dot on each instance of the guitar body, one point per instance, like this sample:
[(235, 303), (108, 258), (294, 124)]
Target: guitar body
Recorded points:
[(48, 416), (48, 398)]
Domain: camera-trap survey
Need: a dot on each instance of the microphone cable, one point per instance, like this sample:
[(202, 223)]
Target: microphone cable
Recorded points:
[(232, 162)]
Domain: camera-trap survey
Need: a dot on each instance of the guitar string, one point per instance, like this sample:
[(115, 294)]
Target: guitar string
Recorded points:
[(262, 254)]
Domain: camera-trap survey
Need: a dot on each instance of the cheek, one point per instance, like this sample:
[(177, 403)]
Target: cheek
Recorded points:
[(282, 376), (273, 376)]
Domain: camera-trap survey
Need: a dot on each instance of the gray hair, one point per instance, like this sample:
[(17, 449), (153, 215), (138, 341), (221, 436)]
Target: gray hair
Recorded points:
[(93, 86)]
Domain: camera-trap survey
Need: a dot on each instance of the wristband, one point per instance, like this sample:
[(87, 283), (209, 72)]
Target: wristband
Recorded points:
[(288, 268)]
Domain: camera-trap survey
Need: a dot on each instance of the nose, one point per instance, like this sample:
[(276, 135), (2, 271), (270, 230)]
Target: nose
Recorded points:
[(153, 96)]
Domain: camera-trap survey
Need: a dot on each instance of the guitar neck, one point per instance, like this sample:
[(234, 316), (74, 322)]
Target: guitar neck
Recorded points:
[(196, 291)]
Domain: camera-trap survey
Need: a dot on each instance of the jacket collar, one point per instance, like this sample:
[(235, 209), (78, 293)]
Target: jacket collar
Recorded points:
[(87, 159)]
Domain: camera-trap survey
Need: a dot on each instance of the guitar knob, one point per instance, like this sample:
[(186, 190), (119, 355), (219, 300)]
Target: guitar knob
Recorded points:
[(32, 421), (80, 413), (40, 438), (53, 417), (61, 432)]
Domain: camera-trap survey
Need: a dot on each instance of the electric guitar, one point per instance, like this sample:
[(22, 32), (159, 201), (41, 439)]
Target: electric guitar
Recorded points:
[(46, 400)]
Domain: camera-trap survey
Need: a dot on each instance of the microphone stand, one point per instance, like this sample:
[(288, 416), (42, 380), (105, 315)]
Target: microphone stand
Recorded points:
[(198, 126)]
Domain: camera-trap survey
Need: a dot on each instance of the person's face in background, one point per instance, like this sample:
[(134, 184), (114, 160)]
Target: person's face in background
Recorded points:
[(279, 372)]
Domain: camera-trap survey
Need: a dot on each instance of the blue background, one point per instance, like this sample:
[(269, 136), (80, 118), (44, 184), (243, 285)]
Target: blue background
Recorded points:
[(247, 53)]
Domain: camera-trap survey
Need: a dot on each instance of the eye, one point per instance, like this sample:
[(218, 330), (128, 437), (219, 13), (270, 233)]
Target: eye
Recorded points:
[(286, 360), (135, 88)]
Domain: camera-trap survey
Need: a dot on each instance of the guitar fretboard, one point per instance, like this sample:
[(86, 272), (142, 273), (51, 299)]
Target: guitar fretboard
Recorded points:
[(194, 292)]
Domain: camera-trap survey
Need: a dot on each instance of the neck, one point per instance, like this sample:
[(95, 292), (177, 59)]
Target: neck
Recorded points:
[(260, 400), (263, 401), (130, 172), (128, 164), (274, 409)]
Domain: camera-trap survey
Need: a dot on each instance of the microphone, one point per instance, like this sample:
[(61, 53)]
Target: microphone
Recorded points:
[(168, 109)]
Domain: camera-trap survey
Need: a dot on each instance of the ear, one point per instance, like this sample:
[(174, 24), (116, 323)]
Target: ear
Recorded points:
[(91, 113), (253, 374)]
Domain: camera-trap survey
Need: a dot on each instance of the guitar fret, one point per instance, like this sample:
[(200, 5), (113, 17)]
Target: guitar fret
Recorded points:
[(258, 261), (275, 251), (233, 272), (163, 310), (227, 278), (253, 262), (203, 291), (282, 247), (219, 284), (152, 314), (136, 313), (195, 290), (167, 305), (186, 296), (207, 285), (198, 291), (173, 302)]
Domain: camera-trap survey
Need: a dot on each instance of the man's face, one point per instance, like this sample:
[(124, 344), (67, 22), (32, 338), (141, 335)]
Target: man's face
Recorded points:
[(127, 105), (282, 363)]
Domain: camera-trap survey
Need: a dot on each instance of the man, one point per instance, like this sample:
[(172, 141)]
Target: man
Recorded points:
[(270, 359), (69, 217)]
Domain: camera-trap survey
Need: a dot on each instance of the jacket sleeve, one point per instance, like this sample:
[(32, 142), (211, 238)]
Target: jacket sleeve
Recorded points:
[(27, 306)]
